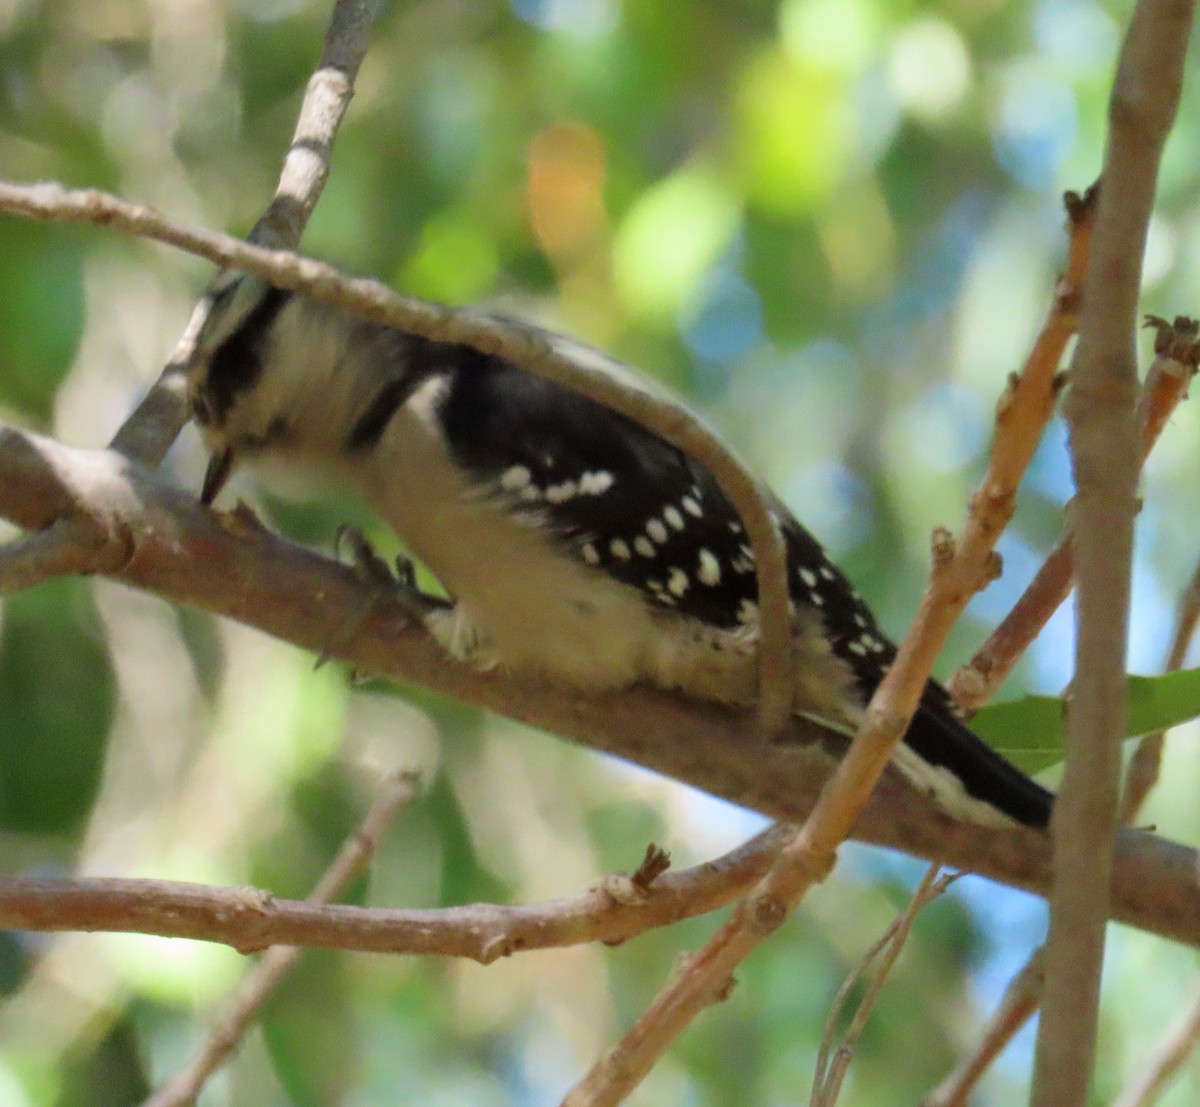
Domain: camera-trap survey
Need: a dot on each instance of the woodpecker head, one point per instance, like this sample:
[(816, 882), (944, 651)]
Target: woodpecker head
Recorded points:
[(269, 377)]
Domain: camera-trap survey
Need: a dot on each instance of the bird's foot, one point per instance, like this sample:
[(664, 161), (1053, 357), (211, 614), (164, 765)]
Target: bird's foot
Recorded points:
[(397, 587)]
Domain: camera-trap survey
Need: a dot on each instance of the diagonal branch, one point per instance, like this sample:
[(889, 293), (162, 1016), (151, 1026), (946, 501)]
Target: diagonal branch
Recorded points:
[(397, 791), (568, 363), (190, 556), (1167, 380), (156, 422)]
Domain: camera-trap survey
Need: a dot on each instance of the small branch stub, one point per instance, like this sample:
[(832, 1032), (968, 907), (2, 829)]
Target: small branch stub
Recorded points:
[(1176, 339)]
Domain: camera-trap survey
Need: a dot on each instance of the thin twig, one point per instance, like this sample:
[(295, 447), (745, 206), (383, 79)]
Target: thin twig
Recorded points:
[(1100, 412), (974, 683), (1147, 758), (149, 431), (397, 791), (959, 571), (1166, 385), (827, 1080), (249, 919), (1164, 1066), (64, 547), (1017, 1007), (556, 358)]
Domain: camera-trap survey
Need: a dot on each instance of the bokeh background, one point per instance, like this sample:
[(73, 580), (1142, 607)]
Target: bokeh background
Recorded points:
[(833, 225)]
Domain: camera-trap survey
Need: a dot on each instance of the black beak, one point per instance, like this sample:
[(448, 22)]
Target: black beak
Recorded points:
[(220, 465)]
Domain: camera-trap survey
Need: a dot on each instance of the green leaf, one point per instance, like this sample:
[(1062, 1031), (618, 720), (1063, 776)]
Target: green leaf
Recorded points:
[(1029, 731)]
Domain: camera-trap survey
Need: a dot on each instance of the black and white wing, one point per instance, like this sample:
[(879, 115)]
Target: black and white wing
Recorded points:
[(628, 504)]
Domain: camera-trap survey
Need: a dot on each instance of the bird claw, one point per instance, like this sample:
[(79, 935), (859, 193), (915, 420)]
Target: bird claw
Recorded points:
[(398, 586), (368, 566)]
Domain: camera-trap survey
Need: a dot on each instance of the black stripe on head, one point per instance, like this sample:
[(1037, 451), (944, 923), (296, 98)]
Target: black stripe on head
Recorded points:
[(236, 364)]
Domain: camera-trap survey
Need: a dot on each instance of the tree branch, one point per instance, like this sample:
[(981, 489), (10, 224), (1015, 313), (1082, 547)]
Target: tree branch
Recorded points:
[(156, 422), (249, 919), (551, 356), (1100, 413), (1017, 1007), (1167, 380), (188, 555), (396, 791), (1164, 1066)]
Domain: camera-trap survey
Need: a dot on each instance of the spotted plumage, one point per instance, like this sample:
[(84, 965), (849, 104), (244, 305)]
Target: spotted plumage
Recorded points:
[(639, 509), (577, 545)]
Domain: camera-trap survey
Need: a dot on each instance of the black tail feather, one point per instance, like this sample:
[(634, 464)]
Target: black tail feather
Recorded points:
[(945, 741)]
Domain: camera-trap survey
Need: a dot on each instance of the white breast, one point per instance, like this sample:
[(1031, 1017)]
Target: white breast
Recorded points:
[(539, 611)]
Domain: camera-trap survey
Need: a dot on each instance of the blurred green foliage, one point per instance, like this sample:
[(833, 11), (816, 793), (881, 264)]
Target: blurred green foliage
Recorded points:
[(833, 224)]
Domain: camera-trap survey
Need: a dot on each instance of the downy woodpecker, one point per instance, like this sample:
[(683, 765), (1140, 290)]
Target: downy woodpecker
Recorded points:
[(576, 545)]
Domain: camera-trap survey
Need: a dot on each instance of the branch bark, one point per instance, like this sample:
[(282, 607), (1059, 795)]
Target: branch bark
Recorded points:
[(249, 919), (1167, 380), (186, 554), (1100, 413), (397, 791), (547, 355), (147, 434)]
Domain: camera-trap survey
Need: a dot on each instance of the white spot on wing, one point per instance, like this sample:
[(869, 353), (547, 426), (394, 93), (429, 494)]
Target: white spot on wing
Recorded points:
[(692, 507), (672, 516), (590, 555), (643, 546), (620, 549), (514, 479), (806, 575), (710, 569), (560, 493), (677, 582), (595, 482), (657, 530)]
